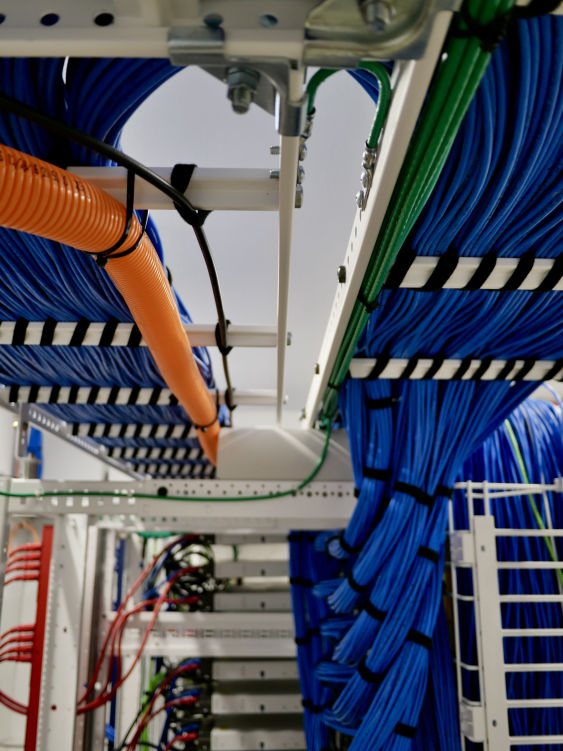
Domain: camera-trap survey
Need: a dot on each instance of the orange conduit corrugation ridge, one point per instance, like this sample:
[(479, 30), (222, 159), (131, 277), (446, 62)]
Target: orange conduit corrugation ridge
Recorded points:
[(42, 199)]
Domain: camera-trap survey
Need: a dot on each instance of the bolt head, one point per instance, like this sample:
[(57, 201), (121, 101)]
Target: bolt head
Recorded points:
[(341, 274), (275, 150)]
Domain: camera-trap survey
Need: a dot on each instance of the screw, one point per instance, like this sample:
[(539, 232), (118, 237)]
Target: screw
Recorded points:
[(275, 150), (274, 174), (242, 83), (361, 199), (341, 274), (300, 175), (298, 196), (289, 338), (317, 369), (377, 13)]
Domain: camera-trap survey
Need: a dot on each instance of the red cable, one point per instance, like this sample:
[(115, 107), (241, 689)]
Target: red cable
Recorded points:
[(16, 629), (24, 548), (22, 578), (11, 567), (23, 558), (103, 697), (185, 737), (136, 585), (21, 638), (183, 700), (12, 704)]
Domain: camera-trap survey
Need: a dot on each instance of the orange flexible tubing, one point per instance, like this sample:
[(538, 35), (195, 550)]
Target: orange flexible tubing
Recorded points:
[(42, 199)]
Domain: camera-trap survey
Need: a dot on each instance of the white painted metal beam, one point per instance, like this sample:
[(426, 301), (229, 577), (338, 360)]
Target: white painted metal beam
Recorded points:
[(409, 87), (211, 189)]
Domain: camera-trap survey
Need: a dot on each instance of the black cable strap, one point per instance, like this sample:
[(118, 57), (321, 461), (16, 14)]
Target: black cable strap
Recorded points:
[(314, 708), (54, 395), (135, 337), (73, 394), (417, 637), (443, 270), (482, 369), (419, 495), (553, 276), (180, 180), (380, 365), (524, 266), (134, 395), (374, 612), (79, 333), (107, 427), (93, 395), (462, 370), (48, 332), (20, 329), (113, 394), (434, 368), (429, 554), (357, 492), (524, 370), (444, 491), (346, 547), (383, 403), (155, 395), (356, 586), (372, 473), (367, 675), (92, 430), (136, 434), (14, 391), (506, 369), (220, 340), (407, 731), (33, 393), (108, 333), (172, 401), (299, 581), (409, 370), (404, 260), (370, 306), (483, 272)]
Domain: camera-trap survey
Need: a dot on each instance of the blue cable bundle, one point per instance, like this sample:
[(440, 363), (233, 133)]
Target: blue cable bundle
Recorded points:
[(409, 439), (44, 279), (527, 448)]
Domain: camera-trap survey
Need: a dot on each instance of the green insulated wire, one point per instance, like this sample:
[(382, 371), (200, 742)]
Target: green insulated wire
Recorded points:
[(188, 499), (535, 511), (384, 99), (316, 80), (455, 82)]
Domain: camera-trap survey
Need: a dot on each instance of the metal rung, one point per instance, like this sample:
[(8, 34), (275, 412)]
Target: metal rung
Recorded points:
[(534, 667)]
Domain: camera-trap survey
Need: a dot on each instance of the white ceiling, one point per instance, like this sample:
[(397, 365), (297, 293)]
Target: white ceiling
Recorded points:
[(189, 120)]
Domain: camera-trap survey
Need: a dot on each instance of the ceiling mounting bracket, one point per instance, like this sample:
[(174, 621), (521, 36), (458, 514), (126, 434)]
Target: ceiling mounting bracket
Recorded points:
[(270, 90)]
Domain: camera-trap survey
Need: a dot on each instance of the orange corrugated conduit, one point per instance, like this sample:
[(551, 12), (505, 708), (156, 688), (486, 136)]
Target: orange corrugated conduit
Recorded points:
[(42, 199)]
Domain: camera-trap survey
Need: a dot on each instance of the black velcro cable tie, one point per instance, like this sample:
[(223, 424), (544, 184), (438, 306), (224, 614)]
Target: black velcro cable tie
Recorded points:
[(113, 394), (346, 547), (75, 428), (73, 394), (407, 731), (167, 434), (107, 427), (221, 339), (483, 272), (419, 495), (437, 363), (369, 305), (299, 581), (135, 337), (482, 369), (357, 492), (314, 708), (180, 179), (404, 260), (523, 267), (381, 363), (506, 369), (93, 395), (79, 333), (374, 612), (444, 491), (417, 637), (14, 391), (155, 395), (48, 332), (20, 329), (443, 270), (54, 395), (553, 276), (462, 370), (367, 675), (33, 393), (136, 433), (536, 8), (92, 430), (356, 586), (409, 370), (172, 401), (490, 34), (373, 473), (108, 332), (554, 371), (383, 403), (524, 370), (134, 395), (429, 553)]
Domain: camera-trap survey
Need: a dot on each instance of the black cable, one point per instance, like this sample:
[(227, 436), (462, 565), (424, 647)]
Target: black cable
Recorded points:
[(192, 215)]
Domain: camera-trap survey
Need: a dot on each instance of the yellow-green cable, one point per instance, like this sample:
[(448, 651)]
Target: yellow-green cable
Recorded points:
[(192, 499), (533, 505)]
